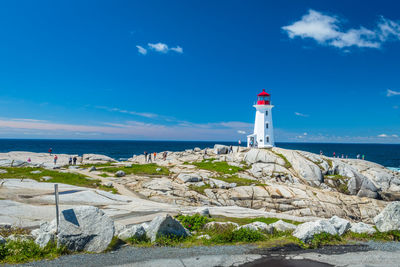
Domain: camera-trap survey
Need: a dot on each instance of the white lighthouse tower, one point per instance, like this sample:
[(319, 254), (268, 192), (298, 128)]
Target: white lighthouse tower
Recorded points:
[(263, 135)]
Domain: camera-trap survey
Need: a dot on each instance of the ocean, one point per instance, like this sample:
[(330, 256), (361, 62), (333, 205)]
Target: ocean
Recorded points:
[(387, 155)]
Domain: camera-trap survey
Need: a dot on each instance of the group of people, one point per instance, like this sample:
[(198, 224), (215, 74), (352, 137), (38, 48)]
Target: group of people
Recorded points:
[(359, 156), (147, 156)]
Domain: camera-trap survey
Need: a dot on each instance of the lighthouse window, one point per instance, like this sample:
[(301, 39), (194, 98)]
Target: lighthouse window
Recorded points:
[(267, 139), (266, 113), (266, 125)]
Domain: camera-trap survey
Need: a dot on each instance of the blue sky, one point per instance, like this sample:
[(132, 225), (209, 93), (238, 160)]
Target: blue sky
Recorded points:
[(190, 70)]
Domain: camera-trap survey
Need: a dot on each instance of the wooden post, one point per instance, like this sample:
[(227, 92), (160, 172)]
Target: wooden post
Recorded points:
[(56, 198)]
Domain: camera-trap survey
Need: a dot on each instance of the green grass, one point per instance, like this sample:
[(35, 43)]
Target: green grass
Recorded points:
[(97, 165), (108, 188), (239, 181), (340, 183), (221, 167), (57, 177), (193, 222), (24, 251), (146, 169), (377, 236), (199, 189)]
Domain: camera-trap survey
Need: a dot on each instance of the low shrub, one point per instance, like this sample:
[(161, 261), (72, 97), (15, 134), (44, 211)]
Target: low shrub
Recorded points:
[(193, 222), (169, 240), (229, 235), (24, 251), (323, 239)]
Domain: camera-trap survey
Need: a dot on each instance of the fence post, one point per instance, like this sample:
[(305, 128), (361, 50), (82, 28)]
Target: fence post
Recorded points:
[(56, 198)]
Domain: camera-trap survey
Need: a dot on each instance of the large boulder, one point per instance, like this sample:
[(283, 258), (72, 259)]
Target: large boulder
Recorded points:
[(94, 158), (221, 149), (136, 231), (306, 231), (255, 155), (389, 218), (165, 225), (258, 226), (362, 228), (283, 226), (120, 173), (368, 189), (220, 225), (81, 228), (341, 225)]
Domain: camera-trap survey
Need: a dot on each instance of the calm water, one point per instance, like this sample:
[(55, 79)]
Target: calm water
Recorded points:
[(387, 155)]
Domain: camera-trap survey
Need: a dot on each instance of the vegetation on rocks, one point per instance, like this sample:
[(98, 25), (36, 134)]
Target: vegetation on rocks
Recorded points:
[(287, 165), (193, 222), (24, 251), (221, 167), (199, 189), (238, 181), (242, 221), (146, 169)]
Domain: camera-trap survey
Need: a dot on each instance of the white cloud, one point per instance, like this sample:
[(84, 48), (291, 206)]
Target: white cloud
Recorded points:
[(177, 49), (159, 47), (383, 135), (390, 93), (305, 134), (141, 50), (395, 135), (300, 114), (163, 48), (241, 132), (326, 30), (142, 114)]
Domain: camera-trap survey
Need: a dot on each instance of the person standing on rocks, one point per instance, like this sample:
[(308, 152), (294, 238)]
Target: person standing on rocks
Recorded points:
[(74, 159), (155, 156), (149, 158), (55, 159), (230, 149), (50, 151), (70, 161), (334, 154), (145, 156), (363, 157)]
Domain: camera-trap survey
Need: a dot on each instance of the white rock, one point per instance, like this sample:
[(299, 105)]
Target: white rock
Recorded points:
[(2, 240), (389, 218), (120, 173), (221, 149), (18, 237), (362, 228), (165, 225), (85, 228), (202, 211), (44, 238), (262, 156), (136, 231), (93, 168), (46, 178), (258, 226), (3, 171), (341, 225), (283, 226), (197, 149), (36, 172), (306, 231), (215, 183), (189, 177), (158, 169)]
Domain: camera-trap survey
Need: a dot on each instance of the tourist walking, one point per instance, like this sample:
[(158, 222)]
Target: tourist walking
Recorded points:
[(70, 161), (363, 157), (50, 151), (149, 158), (55, 159), (358, 156), (320, 152), (74, 159), (155, 156), (240, 142), (230, 149), (334, 154), (145, 156), (29, 160)]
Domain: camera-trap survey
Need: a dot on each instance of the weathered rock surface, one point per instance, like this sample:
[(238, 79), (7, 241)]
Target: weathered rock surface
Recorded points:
[(2, 240), (135, 231), (341, 225), (258, 226), (165, 225), (283, 226), (220, 225), (389, 218), (362, 228), (120, 173), (306, 231)]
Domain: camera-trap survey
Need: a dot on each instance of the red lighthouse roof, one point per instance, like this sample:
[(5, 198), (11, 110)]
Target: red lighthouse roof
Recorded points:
[(263, 93), (263, 98)]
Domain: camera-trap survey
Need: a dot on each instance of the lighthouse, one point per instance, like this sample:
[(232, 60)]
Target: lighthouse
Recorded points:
[(263, 135)]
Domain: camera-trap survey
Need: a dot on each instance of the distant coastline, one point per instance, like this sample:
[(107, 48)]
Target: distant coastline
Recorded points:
[(387, 155)]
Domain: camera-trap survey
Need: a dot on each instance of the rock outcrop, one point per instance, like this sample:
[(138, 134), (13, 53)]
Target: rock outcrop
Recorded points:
[(306, 231), (389, 218), (165, 225)]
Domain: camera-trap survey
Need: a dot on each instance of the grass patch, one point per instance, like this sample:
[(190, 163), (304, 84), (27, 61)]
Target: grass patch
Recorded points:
[(111, 189), (104, 175), (324, 239), (149, 169), (98, 165), (6, 232), (25, 251), (57, 177), (239, 181), (221, 167), (228, 235), (193, 222), (199, 189), (377, 236), (339, 183)]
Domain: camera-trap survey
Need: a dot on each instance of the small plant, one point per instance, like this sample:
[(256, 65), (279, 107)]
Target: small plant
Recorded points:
[(149, 169), (288, 165), (193, 222), (169, 240), (229, 235), (324, 239), (221, 167), (138, 241), (199, 189)]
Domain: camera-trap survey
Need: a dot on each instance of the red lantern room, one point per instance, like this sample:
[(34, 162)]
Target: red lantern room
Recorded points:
[(263, 98)]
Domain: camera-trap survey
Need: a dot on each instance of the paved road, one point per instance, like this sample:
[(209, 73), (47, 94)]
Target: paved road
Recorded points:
[(366, 254)]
